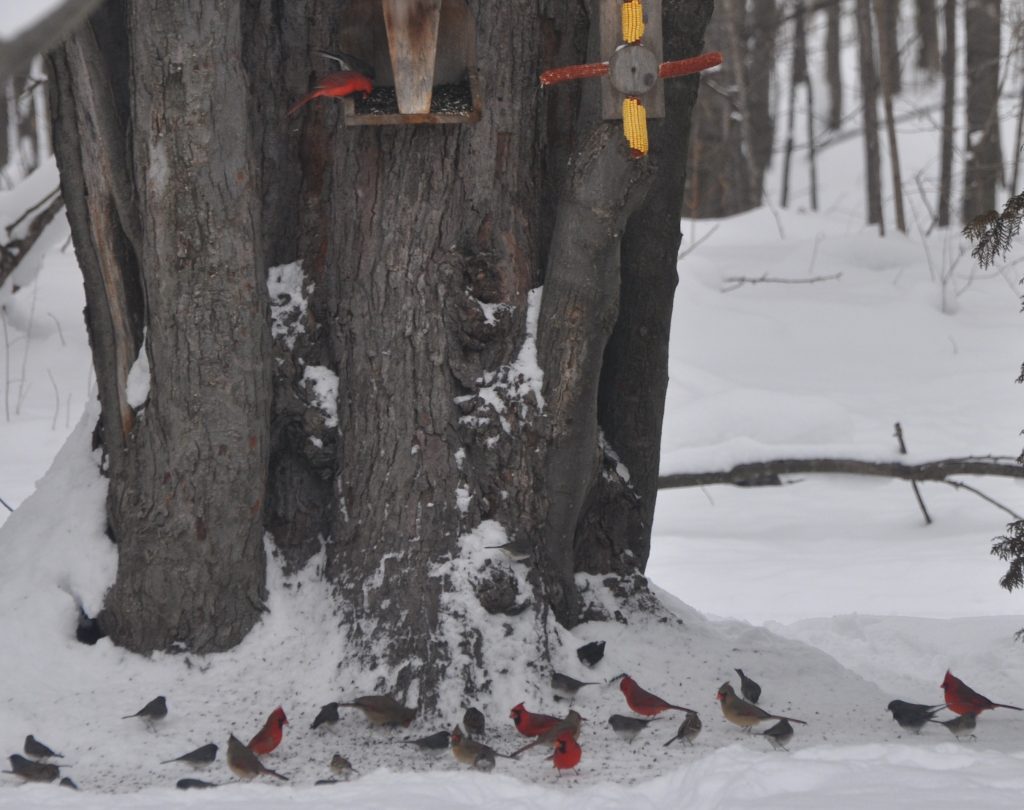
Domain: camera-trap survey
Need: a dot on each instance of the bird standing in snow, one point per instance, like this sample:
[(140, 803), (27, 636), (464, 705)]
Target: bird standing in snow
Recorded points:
[(742, 713), (567, 753), (591, 653), (628, 727), (244, 763), (962, 726), (531, 724), (341, 767), (643, 702), (269, 737), (571, 723), (964, 700), (471, 752), (913, 716), (37, 750), (566, 686), (203, 755), (32, 771), (688, 729), (519, 549), (437, 741), (749, 688), (473, 720), (779, 734), (327, 716), (155, 710), (382, 710)]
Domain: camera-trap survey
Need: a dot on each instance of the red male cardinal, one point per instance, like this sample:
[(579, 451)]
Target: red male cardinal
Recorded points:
[(643, 702), (336, 85), (964, 700), (529, 724), (269, 737), (567, 752)]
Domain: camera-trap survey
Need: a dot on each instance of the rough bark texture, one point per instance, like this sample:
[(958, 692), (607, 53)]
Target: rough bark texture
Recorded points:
[(983, 165), (833, 65), (419, 246), (188, 471), (926, 22)]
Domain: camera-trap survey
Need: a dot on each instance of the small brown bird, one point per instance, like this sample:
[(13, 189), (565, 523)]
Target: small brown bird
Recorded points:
[(779, 734), (244, 763), (744, 714), (688, 729), (913, 716), (342, 767), (566, 686), (749, 688), (470, 752), (628, 727), (474, 721), (570, 723), (32, 771), (327, 716), (37, 750), (590, 654), (203, 755), (437, 741), (382, 710), (962, 725), (155, 710), (189, 784)]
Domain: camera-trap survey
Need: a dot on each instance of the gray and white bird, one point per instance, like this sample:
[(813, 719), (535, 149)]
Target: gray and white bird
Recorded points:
[(566, 686), (961, 726), (628, 727), (590, 654), (32, 771), (37, 750), (198, 758), (688, 729), (327, 716), (155, 710), (438, 741), (779, 734), (749, 688)]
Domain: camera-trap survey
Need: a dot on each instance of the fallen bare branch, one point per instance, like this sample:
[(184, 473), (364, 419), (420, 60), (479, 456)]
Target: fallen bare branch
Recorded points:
[(735, 282)]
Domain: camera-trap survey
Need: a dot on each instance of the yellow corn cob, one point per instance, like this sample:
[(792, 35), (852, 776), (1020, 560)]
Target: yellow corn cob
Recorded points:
[(634, 124), (632, 21)]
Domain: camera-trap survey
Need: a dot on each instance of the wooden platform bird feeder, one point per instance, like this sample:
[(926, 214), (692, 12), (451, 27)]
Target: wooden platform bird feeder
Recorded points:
[(632, 67), (423, 53)]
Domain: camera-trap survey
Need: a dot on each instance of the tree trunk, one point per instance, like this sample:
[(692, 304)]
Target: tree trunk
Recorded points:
[(927, 24), (983, 165), (393, 412), (948, 104), (833, 65), (869, 95), (886, 56), (888, 16)]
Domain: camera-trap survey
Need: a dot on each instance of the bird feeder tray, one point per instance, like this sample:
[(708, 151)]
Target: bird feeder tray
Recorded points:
[(424, 57)]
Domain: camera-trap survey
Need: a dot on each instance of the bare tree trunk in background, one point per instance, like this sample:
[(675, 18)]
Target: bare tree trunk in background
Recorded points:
[(888, 15), (885, 58), (812, 150), (762, 36), (797, 76), (416, 248), (833, 66), (869, 96), (983, 165), (926, 21), (1017, 44), (948, 105)]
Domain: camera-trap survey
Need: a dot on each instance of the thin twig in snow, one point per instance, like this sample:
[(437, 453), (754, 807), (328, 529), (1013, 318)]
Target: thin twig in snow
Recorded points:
[(684, 253), (736, 282), (60, 331), (983, 496)]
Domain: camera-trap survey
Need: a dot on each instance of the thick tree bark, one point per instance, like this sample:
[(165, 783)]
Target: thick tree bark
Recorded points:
[(983, 166), (399, 417), (887, 55)]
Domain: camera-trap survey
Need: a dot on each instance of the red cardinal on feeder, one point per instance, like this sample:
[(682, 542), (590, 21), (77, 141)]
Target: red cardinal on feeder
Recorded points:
[(336, 85)]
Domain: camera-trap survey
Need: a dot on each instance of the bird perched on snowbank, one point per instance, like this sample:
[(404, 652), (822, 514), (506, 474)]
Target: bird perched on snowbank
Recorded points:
[(474, 721), (963, 700), (32, 771), (641, 701), (779, 734), (269, 737), (571, 723), (471, 752), (437, 741), (201, 756), (342, 767), (742, 713), (628, 727), (962, 726), (566, 686), (155, 710), (37, 750), (327, 716), (519, 549), (591, 653)]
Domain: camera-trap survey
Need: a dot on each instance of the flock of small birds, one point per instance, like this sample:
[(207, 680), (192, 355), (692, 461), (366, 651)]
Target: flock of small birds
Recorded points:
[(560, 735)]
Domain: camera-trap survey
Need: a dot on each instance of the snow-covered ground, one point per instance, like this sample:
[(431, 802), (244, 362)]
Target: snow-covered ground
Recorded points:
[(831, 591)]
